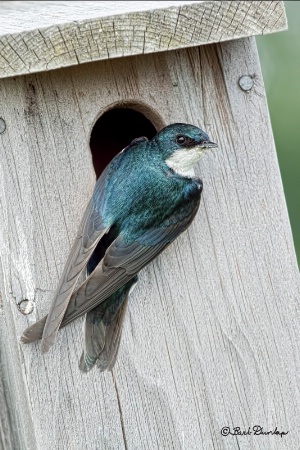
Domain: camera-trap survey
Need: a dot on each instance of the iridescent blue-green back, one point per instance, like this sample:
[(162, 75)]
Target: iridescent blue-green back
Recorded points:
[(142, 192)]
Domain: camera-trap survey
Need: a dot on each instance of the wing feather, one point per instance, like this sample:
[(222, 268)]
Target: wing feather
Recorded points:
[(103, 327), (122, 261), (90, 232)]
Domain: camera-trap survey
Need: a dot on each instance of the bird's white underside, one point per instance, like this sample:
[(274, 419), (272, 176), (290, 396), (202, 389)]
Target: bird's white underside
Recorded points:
[(183, 160)]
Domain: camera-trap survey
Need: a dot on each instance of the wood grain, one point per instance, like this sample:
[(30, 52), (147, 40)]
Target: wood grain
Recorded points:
[(211, 338), (6, 421), (37, 36)]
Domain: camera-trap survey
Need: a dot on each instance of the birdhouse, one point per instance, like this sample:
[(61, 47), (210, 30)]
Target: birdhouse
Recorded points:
[(209, 339)]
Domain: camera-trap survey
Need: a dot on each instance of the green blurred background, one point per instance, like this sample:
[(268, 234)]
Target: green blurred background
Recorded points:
[(280, 62)]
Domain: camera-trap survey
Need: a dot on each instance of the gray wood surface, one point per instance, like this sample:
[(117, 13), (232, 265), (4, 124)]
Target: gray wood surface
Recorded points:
[(43, 35), (211, 338), (6, 422), (16, 426)]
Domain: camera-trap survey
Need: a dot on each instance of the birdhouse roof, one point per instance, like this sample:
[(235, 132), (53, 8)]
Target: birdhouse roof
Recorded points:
[(44, 35)]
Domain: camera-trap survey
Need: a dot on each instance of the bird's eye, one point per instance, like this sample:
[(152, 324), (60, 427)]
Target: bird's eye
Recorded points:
[(180, 139)]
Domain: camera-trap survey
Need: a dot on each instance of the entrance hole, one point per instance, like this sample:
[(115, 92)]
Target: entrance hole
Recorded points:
[(113, 131)]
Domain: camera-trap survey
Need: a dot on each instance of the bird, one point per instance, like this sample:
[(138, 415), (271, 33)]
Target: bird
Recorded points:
[(144, 199)]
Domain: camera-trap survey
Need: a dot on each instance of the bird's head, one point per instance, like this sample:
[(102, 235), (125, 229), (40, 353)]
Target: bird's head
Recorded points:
[(181, 146)]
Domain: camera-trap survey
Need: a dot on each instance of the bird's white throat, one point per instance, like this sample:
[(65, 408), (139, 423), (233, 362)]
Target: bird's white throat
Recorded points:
[(183, 160)]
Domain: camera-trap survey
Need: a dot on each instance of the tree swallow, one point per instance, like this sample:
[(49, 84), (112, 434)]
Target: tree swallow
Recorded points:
[(143, 200)]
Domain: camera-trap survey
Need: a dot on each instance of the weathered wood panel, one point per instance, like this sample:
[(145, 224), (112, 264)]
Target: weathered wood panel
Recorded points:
[(16, 427), (38, 36), (211, 337)]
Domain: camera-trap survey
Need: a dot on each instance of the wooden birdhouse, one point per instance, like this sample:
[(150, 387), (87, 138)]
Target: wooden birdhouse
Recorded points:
[(210, 336)]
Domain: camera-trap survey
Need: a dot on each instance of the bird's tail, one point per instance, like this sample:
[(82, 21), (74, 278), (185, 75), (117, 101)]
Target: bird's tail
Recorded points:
[(103, 329)]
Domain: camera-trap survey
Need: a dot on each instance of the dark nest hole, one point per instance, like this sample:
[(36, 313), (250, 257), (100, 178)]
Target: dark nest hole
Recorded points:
[(113, 131)]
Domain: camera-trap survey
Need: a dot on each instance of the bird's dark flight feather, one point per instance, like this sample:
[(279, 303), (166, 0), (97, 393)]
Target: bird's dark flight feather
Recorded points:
[(103, 328)]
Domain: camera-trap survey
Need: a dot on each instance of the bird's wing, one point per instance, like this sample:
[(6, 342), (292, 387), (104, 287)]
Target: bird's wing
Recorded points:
[(121, 262), (103, 327), (90, 232)]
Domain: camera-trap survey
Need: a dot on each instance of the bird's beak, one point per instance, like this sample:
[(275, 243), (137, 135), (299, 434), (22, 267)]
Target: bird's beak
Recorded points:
[(208, 144)]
